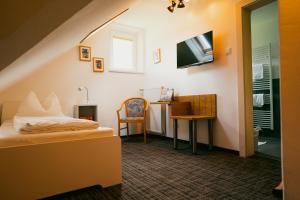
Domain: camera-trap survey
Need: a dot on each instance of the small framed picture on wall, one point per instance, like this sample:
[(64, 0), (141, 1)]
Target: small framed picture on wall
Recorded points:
[(157, 56), (98, 64), (85, 53)]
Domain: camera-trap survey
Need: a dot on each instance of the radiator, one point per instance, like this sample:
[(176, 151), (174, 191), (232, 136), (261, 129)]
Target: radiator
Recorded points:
[(263, 117)]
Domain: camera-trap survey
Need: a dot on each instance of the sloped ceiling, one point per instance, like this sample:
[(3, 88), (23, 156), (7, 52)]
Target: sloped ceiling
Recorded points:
[(60, 40), (25, 23)]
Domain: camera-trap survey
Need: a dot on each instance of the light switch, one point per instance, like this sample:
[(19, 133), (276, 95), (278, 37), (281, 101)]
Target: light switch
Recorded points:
[(228, 51)]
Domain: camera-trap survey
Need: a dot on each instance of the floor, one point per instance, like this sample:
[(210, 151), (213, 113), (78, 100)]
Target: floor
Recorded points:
[(270, 146), (156, 171)]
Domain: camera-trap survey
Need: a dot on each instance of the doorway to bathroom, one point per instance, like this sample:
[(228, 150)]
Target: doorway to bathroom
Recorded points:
[(265, 80)]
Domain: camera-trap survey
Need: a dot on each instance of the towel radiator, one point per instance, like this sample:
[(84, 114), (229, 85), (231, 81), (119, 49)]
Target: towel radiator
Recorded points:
[(263, 117)]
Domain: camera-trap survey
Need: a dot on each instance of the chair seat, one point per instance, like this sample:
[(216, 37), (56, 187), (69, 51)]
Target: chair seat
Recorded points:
[(132, 119)]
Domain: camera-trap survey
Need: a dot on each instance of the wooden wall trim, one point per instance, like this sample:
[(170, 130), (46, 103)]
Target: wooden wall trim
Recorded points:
[(244, 68)]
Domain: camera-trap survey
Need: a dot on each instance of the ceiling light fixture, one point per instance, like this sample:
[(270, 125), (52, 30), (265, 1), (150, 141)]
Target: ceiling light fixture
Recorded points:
[(171, 9), (172, 6), (181, 4)]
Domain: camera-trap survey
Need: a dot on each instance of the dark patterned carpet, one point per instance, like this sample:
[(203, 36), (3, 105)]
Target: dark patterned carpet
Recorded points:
[(156, 171)]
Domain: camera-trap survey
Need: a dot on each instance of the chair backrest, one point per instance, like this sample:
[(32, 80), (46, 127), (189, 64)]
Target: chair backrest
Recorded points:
[(136, 107)]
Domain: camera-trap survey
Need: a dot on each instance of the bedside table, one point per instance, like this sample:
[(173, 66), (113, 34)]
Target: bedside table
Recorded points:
[(85, 112)]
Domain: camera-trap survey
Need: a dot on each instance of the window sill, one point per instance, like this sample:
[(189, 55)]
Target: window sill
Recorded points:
[(125, 71)]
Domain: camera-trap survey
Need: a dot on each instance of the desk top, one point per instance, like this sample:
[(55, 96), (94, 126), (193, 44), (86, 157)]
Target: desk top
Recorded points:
[(195, 107), (192, 117), (199, 105), (162, 102)]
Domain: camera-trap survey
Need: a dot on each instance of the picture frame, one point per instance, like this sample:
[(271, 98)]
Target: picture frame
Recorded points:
[(85, 53), (98, 64), (157, 56), (166, 94)]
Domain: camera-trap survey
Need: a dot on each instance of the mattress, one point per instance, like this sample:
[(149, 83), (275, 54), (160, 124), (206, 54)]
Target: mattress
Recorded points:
[(9, 137), (46, 124)]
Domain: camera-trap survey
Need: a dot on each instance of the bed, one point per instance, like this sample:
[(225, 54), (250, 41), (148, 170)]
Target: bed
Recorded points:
[(40, 165)]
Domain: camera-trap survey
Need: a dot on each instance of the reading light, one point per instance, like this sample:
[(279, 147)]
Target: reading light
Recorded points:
[(180, 4), (87, 93)]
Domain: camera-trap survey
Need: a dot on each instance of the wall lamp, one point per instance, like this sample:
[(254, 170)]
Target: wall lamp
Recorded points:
[(87, 93)]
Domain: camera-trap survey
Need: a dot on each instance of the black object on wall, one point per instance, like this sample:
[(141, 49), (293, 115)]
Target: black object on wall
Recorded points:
[(276, 112), (276, 107)]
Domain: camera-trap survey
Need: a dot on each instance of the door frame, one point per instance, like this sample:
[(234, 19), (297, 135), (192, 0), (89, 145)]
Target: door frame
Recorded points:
[(244, 68)]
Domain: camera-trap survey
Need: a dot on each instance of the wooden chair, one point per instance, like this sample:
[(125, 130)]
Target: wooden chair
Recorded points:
[(135, 112)]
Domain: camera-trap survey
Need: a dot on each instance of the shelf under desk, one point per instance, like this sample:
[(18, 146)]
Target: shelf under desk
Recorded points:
[(163, 111)]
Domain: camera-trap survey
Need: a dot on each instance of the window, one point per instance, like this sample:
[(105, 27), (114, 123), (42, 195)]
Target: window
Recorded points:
[(127, 53), (123, 53)]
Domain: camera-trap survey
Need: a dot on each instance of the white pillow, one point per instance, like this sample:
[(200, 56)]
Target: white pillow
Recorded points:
[(31, 106), (52, 106)]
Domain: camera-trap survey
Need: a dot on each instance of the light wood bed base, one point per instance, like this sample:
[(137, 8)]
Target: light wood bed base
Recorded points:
[(42, 170)]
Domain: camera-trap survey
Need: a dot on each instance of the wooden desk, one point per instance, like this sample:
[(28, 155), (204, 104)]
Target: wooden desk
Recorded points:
[(194, 108)]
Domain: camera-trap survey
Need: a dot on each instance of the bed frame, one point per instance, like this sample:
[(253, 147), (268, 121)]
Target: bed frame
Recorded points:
[(42, 170)]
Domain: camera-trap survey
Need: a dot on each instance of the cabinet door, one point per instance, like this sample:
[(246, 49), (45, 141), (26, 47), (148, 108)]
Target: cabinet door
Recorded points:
[(87, 112)]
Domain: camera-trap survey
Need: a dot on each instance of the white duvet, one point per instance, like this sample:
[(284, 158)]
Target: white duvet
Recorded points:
[(34, 125)]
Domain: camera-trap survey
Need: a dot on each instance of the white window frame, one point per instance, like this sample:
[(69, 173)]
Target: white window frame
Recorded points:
[(136, 35)]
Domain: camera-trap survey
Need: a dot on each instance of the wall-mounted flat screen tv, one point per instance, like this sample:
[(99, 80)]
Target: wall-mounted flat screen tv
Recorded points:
[(195, 51)]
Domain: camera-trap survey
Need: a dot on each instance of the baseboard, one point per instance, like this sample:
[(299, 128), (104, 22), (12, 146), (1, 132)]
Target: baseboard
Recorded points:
[(74, 192), (200, 145), (259, 154)]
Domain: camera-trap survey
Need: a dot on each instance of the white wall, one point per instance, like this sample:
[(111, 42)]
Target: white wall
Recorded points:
[(264, 30), (164, 30), (65, 74)]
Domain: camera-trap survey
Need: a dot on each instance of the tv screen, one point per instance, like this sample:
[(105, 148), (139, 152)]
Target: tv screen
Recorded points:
[(195, 51)]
